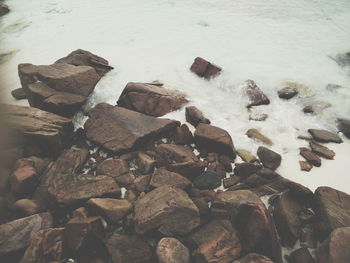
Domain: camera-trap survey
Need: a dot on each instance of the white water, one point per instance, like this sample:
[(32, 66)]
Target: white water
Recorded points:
[(269, 41)]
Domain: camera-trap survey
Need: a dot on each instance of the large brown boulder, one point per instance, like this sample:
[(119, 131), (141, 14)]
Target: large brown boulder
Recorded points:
[(171, 250), (269, 158), (253, 258), (150, 99), (204, 68), (116, 168), (255, 95), (118, 130), (168, 210), (195, 116)]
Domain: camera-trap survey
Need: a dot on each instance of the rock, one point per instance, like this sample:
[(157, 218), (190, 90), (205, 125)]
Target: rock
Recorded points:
[(16, 235), (131, 249), (255, 95), (254, 258), (182, 135), (322, 150), (114, 168), (120, 130), (31, 126), (310, 156), (244, 170), (179, 159), (301, 255), (343, 59), (24, 180), (333, 210), (214, 139), (74, 189), (82, 57), (230, 181), (111, 209), (255, 134), (315, 107), (246, 156), (171, 250), (269, 159), (79, 232), (163, 177), (145, 163), (287, 93), (202, 206), (344, 127), (80, 212), (335, 249), (4, 9), (150, 99), (308, 237), (19, 94), (208, 180), (26, 207), (305, 166), (141, 183), (195, 116), (288, 224), (204, 68), (58, 88), (45, 245), (168, 210), (324, 136)]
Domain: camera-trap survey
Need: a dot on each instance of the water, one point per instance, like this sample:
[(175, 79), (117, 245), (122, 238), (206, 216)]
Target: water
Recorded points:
[(269, 41)]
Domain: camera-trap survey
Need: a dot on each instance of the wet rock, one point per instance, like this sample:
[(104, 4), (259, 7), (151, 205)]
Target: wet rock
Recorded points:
[(16, 235), (217, 241), (150, 99), (255, 134), (305, 166), (255, 115), (254, 258), (114, 168), (208, 180), (31, 126), (214, 139), (269, 159), (74, 189), (26, 207), (111, 209), (344, 127), (287, 93), (168, 210), (19, 94), (24, 180), (310, 156), (246, 156), (171, 250), (321, 150), (230, 181), (131, 249), (204, 68), (163, 177), (246, 169), (255, 95), (301, 255), (82, 57), (4, 9), (315, 106), (324, 136), (145, 163), (45, 245), (120, 130), (182, 135), (333, 209), (195, 116), (179, 159)]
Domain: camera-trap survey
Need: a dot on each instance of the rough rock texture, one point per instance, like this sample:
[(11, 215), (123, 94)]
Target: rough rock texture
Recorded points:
[(47, 131), (310, 156), (171, 250), (19, 94), (167, 209), (324, 136), (246, 169), (301, 255), (246, 156), (321, 150), (214, 139), (150, 99), (111, 209), (333, 209), (255, 95), (4, 9), (24, 180), (195, 116), (182, 135), (287, 93), (26, 207), (145, 163), (253, 258), (305, 166), (120, 130), (208, 180), (114, 168), (204, 68), (217, 241), (269, 159), (255, 134), (163, 177), (131, 249), (344, 127)]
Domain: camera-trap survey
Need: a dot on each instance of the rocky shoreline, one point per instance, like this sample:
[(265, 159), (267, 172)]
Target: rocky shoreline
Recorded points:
[(133, 187)]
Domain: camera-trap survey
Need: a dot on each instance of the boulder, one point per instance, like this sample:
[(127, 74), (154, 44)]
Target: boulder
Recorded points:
[(26, 207), (244, 170), (204, 68), (255, 95), (253, 258), (168, 210), (119, 130), (269, 159), (324, 136), (115, 168), (145, 163), (287, 93), (305, 166), (182, 135), (150, 99), (214, 139), (4, 9), (171, 250), (301, 255), (256, 135), (321, 150), (310, 156), (344, 127), (163, 177), (24, 180), (19, 94), (195, 116), (208, 180)]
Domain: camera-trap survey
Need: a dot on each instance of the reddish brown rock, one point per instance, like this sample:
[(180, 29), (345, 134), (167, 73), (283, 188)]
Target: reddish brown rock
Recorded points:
[(230, 181), (305, 166), (195, 116), (253, 258), (26, 207), (204, 68), (150, 99), (120, 130), (244, 170), (301, 255), (324, 136), (163, 177), (115, 168), (269, 159), (310, 156), (171, 250), (344, 127), (255, 95), (182, 135), (321, 150), (168, 210), (24, 180)]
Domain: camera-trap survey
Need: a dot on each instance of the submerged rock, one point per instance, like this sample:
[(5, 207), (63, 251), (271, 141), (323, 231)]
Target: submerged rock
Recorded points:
[(343, 59), (344, 127), (171, 250), (19, 94), (4, 9), (287, 93), (195, 116), (255, 95), (204, 68), (324, 136), (315, 106)]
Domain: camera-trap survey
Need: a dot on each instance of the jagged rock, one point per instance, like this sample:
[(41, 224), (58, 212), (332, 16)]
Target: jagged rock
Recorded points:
[(301, 255), (163, 177), (204, 68), (26, 207), (269, 159), (171, 250), (208, 180), (150, 99), (4, 9), (246, 156), (324, 136), (287, 93), (182, 135), (310, 156), (24, 180), (195, 116), (344, 127), (114, 168), (120, 130), (255, 134), (305, 166), (230, 181), (131, 249), (214, 139), (321, 150), (141, 183), (168, 210), (246, 169), (145, 163), (255, 95), (254, 258), (217, 241), (19, 94)]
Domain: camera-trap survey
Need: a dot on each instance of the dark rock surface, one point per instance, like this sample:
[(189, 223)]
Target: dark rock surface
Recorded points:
[(171, 250), (255, 95), (321, 150), (195, 116), (204, 68), (253, 258), (301, 255), (269, 159), (310, 156), (244, 170), (4, 9), (287, 93), (19, 94), (208, 180), (163, 177), (182, 135), (114, 168), (344, 127)]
